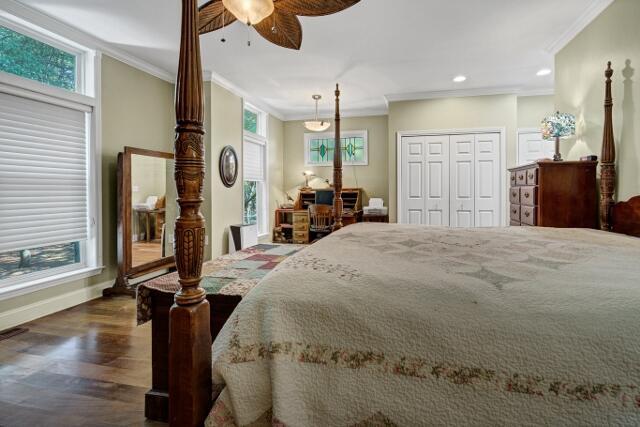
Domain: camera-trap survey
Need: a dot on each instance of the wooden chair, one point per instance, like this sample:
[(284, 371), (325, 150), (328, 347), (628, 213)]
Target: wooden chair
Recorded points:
[(320, 219)]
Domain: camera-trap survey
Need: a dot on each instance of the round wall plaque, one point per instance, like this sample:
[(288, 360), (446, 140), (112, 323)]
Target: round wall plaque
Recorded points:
[(228, 166)]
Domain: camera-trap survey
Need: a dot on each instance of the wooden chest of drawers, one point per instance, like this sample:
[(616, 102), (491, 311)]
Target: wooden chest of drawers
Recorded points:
[(301, 227), (554, 194)]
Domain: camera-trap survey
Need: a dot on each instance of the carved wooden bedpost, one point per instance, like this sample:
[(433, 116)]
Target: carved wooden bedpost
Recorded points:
[(190, 337), (608, 160), (337, 168)]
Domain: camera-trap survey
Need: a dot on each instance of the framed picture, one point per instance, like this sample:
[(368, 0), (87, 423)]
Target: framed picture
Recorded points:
[(319, 148)]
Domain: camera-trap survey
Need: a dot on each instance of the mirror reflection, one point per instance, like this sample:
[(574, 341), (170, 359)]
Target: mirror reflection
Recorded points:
[(153, 209)]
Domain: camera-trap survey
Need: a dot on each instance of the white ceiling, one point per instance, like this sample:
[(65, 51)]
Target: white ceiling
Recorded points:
[(378, 50)]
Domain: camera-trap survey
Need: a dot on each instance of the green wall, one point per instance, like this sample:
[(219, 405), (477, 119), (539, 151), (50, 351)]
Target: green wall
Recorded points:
[(532, 109), (372, 178), (613, 36)]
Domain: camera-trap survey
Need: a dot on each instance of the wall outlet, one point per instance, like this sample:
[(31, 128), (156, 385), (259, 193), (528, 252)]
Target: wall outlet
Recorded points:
[(206, 240), (135, 189)]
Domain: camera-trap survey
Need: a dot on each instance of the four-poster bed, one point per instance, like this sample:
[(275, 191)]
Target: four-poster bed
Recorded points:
[(271, 363)]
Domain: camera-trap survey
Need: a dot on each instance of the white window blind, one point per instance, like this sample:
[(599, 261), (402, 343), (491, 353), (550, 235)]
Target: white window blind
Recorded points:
[(253, 156), (43, 174)]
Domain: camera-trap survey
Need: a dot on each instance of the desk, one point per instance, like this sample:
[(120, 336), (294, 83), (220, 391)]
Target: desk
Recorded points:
[(375, 218)]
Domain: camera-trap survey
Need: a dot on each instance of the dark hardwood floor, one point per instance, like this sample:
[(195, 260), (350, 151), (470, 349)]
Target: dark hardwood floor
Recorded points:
[(85, 366)]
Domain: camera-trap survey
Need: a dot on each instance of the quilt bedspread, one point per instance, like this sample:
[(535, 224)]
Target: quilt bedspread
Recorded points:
[(392, 325)]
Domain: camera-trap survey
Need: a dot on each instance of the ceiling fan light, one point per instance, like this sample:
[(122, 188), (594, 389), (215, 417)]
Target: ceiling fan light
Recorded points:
[(251, 12), (317, 125)]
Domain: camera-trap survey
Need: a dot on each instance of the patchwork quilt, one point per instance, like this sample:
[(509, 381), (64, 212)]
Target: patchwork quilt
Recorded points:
[(233, 274), (393, 325)]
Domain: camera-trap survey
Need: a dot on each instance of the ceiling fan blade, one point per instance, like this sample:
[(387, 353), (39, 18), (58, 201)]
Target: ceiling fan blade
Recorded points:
[(282, 29), (212, 16), (313, 7)]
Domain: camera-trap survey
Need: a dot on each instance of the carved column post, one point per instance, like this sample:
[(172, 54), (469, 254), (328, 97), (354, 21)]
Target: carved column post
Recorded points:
[(337, 168), (608, 160), (190, 336)]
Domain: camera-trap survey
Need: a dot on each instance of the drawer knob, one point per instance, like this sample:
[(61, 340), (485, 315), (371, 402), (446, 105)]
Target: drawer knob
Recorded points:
[(521, 177), (527, 214), (515, 211), (526, 195), (514, 194), (530, 176)]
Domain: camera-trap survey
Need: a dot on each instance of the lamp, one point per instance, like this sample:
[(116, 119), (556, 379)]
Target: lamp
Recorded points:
[(251, 12), (317, 125), (559, 125), (307, 175)]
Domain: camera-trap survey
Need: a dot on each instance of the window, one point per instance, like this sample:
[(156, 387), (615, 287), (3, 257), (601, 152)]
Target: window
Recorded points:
[(255, 169), (319, 148), (48, 180), (250, 121), (30, 58)]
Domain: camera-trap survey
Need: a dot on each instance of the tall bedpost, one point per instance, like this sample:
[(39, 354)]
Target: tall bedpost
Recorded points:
[(337, 168), (189, 337), (608, 160)]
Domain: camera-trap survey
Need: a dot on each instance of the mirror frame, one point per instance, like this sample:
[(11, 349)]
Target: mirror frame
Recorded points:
[(126, 270), (228, 149)]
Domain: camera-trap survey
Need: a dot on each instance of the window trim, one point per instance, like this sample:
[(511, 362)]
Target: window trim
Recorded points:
[(87, 99), (262, 139), (83, 67), (308, 136)]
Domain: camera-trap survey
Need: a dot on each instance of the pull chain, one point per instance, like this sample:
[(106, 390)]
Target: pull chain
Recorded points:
[(223, 39), (248, 34)]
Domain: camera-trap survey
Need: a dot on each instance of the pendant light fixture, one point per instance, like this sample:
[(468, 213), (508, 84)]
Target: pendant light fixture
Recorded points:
[(251, 12), (317, 125)]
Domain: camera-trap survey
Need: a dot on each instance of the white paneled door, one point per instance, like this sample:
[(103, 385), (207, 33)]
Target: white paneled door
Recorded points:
[(532, 147), (487, 180), (437, 183), (462, 179), (451, 180), (413, 180)]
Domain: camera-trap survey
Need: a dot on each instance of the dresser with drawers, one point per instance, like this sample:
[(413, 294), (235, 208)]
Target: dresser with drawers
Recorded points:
[(554, 194), (301, 226)]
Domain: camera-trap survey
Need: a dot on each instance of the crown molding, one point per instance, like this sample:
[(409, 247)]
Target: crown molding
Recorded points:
[(213, 77), (46, 22), (536, 92), (463, 93), (590, 13)]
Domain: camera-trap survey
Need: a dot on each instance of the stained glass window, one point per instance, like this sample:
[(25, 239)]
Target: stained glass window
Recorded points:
[(30, 58), (321, 147), (250, 121)]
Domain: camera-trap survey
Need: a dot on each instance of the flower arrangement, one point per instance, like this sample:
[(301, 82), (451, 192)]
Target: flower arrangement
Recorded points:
[(559, 125)]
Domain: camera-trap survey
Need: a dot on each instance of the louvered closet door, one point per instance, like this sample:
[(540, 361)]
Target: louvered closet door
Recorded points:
[(413, 180), (487, 180), (437, 179), (462, 176)]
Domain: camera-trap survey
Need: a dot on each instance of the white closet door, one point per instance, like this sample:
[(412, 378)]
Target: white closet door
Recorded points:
[(532, 147), (462, 181), (413, 180), (487, 180), (437, 179)]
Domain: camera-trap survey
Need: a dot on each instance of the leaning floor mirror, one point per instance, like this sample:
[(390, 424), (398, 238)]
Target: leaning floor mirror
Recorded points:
[(146, 215)]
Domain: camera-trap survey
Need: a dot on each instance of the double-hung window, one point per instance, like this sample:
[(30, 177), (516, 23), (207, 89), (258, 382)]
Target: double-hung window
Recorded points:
[(49, 221), (255, 168)]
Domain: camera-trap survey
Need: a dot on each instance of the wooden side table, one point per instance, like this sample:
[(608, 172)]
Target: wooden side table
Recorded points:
[(375, 218)]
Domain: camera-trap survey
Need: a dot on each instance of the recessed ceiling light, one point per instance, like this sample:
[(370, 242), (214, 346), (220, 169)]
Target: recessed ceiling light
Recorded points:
[(459, 79), (543, 72)]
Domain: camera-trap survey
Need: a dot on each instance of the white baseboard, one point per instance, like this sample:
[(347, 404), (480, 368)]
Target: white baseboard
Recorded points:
[(36, 310)]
